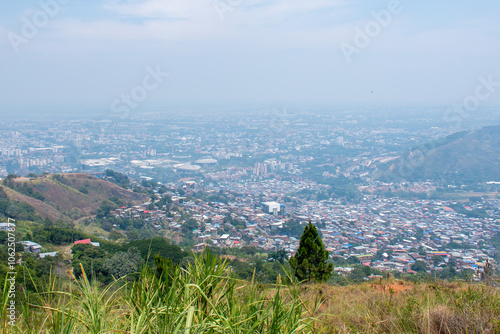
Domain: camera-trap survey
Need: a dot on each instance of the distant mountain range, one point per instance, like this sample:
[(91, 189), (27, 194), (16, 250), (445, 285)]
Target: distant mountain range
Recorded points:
[(67, 196), (461, 157)]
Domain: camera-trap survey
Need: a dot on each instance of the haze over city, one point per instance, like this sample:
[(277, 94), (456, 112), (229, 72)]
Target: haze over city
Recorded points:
[(76, 58)]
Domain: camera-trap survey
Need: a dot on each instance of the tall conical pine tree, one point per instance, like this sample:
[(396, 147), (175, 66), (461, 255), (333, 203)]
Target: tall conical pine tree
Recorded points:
[(309, 263)]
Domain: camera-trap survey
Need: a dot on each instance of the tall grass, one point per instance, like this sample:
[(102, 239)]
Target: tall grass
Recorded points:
[(403, 307), (205, 297)]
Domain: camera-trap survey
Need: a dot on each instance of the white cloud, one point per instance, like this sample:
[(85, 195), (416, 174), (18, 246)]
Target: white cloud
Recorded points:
[(116, 30), (250, 20), (248, 12), (287, 13), (266, 23), (293, 6), (159, 9)]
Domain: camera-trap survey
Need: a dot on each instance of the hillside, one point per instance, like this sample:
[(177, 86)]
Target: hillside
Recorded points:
[(67, 196), (464, 157), (41, 208), (204, 297)]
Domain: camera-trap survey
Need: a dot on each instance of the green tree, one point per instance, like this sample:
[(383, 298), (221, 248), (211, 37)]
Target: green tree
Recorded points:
[(122, 263), (309, 263), (158, 246), (105, 209), (115, 235), (437, 259), (133, 235), (360, 272), (419, 266), (280, 255), (292, 228), (92, 260)]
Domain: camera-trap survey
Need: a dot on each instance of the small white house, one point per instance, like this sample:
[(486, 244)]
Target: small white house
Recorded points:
[(51, 254)]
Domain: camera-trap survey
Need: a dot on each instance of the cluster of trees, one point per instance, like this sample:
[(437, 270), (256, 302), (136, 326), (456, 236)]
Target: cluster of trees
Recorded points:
[(24, 189), (103, 266), (104, 211), (357, 275), (158, 246), (342, 187), (188, 227), (219, 197), (115, 260), (33, 271), (133, 234), (90, 259), (57, 235), (447, 272), (254, 263), (292, 228), (238, 223), (124, 263), (341, 262), (120, 179), (475, 213), (454, 245), (243, 252), (261, 271), (101, 263)]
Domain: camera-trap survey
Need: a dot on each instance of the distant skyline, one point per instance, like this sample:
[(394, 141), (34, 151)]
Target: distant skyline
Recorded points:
[(120, 56)]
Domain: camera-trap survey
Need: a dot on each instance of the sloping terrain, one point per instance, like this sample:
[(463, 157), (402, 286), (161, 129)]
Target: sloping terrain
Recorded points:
[(41, 208), (467, 157), (70, 195)]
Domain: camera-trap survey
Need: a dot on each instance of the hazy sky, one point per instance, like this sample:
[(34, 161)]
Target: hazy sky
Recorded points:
[(101, 55)]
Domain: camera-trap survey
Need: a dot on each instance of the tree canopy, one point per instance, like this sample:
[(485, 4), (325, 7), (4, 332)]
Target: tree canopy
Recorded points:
[(124, 263), (309, 263)]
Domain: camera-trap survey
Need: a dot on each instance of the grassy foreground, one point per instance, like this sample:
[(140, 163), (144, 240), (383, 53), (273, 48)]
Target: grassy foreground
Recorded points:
[(205, 298)]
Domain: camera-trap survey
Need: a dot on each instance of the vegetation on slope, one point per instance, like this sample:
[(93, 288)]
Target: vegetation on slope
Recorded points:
[(463, 157), (20, 207), (204, 297), (67, 196)]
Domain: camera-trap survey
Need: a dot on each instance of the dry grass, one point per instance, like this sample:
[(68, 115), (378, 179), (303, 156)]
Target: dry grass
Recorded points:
[(62, 198), (204, 298), (43, 209), (406, 308)]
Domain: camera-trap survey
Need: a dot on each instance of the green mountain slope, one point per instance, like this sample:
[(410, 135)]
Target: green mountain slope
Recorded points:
[(67, 196), (464, 157)]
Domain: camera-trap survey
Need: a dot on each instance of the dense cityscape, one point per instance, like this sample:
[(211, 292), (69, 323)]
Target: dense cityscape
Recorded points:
[(256, 181)]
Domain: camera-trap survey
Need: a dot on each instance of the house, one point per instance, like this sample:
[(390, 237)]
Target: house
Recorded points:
[(31, 247), (50, 254), (7, 226), (84, 241), (276, 226), (87, 241), (199, 247)]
